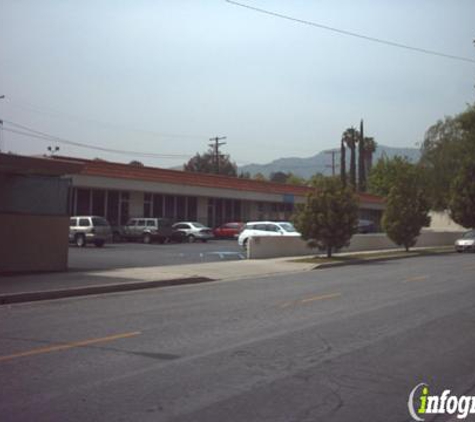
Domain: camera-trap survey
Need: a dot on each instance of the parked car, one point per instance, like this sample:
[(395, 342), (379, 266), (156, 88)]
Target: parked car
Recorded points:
[(366, 226), (89, 229), (148, 230), (194, 230), (466, 243), (228, 230), (266, 228)]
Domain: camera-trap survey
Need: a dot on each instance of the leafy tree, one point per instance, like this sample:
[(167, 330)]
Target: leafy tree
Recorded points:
[(244, 175), (330, 216), (445, 145), (316, 180), (462, 200), (279, 177), (205, 163), (406, 209), (293, 179), (384, 174), (260, 177), (136, 163)]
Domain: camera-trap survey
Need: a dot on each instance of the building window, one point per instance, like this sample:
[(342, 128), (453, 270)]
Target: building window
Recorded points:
[(147, 205), (71, 194), (218, 212), (192, 212), (99, 203), (228, 211), (113, 207), (124, 207), (237, 210), (180, 208), (210, 212), (83, 203), (169, 206), (157, 206)]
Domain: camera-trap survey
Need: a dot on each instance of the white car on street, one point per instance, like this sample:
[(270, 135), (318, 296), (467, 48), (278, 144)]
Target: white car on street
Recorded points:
[(266, 228)]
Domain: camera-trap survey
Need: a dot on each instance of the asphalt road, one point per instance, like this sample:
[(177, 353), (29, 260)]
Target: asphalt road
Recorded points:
[(342, 344), (123, 255)]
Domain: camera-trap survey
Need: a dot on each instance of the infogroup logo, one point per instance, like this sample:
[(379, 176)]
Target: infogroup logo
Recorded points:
[(420, 403)]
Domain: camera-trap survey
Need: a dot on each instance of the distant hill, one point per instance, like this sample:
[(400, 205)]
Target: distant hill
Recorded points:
[(306, 167)]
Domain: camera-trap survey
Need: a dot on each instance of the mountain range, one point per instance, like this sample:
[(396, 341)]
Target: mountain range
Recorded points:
[(322, 162)]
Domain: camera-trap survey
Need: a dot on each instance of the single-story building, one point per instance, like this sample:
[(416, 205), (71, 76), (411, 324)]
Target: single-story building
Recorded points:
[(121, 191)]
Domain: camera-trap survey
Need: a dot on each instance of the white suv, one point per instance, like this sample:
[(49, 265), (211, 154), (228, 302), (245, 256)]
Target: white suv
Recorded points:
[(266, 228), (89, 229)]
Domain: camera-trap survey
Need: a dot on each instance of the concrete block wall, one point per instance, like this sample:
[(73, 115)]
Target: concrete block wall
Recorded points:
[(275, 247), (33, 243)]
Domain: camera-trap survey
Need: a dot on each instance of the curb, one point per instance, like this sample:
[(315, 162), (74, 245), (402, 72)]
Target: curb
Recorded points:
[(360, 261), (7, 299)]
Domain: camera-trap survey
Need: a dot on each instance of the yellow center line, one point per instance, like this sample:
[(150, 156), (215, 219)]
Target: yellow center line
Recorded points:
[(67, 346), (418, 278), (322, 297)]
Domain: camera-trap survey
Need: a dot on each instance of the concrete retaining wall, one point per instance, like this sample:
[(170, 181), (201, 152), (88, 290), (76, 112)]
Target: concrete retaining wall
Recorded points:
[(274, 247)]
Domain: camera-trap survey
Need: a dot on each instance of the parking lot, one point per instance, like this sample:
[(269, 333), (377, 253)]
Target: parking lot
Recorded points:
[(126, 255)]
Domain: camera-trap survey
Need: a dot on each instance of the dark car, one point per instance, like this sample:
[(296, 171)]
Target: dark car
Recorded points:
[(366, 226), (228, 230)]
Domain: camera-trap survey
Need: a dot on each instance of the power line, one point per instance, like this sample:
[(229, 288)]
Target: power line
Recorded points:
[(353, 34), (55, 113), (26, 131)]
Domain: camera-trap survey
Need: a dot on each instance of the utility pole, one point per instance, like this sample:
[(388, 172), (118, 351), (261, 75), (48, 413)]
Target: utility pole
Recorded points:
[(1, 127), (215, 145), (333, 165)]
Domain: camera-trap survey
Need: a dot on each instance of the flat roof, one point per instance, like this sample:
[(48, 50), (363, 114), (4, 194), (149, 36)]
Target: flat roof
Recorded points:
[(45, 166), (110, 169)]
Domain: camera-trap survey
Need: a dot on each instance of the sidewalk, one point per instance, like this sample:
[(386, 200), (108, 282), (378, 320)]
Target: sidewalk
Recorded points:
[(44, 286)]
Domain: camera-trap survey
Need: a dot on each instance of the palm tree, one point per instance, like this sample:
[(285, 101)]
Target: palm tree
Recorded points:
[(361, 164), (370, 146), (343, 162), (350, 137)]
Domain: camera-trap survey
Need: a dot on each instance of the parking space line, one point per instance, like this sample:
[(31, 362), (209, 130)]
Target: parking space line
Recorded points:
[(66, 346), (418, 278)]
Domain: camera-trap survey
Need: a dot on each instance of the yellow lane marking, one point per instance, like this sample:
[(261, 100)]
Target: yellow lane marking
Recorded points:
[(67, 346), (309, 299), (322, 297), (419, 278)]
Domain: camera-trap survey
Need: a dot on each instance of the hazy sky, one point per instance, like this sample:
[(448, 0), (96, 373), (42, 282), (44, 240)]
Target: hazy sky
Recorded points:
[(163, 77)]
